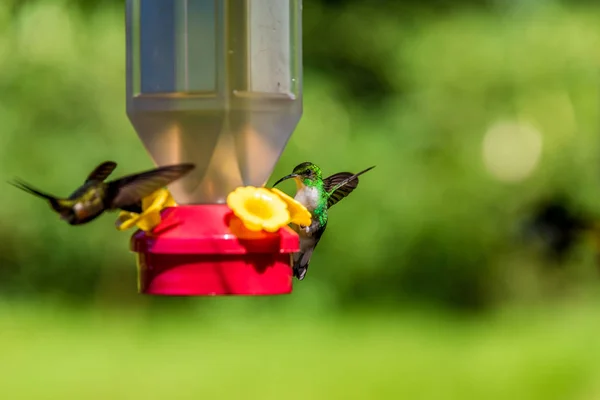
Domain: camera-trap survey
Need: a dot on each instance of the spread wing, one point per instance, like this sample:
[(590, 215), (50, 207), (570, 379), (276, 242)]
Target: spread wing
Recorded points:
[(134, 208), (341, 185), (102, 171), (129, 190)]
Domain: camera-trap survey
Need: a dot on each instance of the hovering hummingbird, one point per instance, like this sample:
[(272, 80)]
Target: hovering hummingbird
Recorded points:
[(96, 196), (318, 195)]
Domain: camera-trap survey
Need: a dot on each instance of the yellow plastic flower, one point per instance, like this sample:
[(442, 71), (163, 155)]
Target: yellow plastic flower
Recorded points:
[(150, 217), (265, 209), (299, 215), (258, 208), (237, 227)]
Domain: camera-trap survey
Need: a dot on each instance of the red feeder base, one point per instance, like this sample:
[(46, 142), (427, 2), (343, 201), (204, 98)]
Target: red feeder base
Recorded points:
[(193, 252)]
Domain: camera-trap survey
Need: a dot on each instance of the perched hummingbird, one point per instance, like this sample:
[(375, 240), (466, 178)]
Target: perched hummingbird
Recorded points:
[(96, 196), (318, 195)]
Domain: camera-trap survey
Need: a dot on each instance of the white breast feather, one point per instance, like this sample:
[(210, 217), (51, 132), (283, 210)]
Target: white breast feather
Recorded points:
[(308, 197)]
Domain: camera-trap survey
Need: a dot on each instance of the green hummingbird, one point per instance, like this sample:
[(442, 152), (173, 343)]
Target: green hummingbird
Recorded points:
[(96, 196), (318, 195)]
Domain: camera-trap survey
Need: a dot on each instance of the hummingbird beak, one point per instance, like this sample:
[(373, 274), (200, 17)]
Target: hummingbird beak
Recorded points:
[(285, 178)]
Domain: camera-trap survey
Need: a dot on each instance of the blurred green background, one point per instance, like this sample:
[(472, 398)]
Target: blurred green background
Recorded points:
[(422, 287)]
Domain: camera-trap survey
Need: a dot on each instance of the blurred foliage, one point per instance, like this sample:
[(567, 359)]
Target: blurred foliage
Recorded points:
[(411, 88)]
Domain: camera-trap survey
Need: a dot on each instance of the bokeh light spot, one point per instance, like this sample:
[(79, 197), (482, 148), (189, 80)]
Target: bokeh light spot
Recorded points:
[(512, 150)]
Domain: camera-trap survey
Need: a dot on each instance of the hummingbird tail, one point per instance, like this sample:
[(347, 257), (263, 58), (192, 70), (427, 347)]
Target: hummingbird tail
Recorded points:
[(18, 183), (54, 202), (300, 272), (301, 262)]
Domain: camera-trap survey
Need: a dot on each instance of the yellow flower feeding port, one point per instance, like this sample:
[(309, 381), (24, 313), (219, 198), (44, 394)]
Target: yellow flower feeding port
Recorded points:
[(150, 216), (266, 209)]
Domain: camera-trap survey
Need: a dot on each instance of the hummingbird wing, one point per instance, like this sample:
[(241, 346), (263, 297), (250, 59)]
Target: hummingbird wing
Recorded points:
[(134, 208), (102, 171), (341, 185), (131, 189)]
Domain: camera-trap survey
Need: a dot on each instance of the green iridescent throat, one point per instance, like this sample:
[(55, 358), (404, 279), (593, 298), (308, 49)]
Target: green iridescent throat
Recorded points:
[(320, 212)]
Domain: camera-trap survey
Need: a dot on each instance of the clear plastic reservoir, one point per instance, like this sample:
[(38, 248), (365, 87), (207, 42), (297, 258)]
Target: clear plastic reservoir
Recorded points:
[(217, 83)]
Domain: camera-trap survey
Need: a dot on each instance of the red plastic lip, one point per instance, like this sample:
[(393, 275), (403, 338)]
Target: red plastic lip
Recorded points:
[(194, 253), (204, 229)]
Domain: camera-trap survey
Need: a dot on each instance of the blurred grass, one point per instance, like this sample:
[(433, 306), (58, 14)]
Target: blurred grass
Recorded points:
[(534, 353)]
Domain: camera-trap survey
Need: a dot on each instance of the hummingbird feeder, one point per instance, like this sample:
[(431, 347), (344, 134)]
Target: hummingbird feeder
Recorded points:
[(217, 83)]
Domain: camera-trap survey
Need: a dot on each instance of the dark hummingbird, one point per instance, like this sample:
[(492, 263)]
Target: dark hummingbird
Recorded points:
[(96, 196), (318, 195)]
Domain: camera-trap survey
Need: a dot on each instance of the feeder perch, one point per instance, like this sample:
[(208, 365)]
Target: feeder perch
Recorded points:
[(217, 83)]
